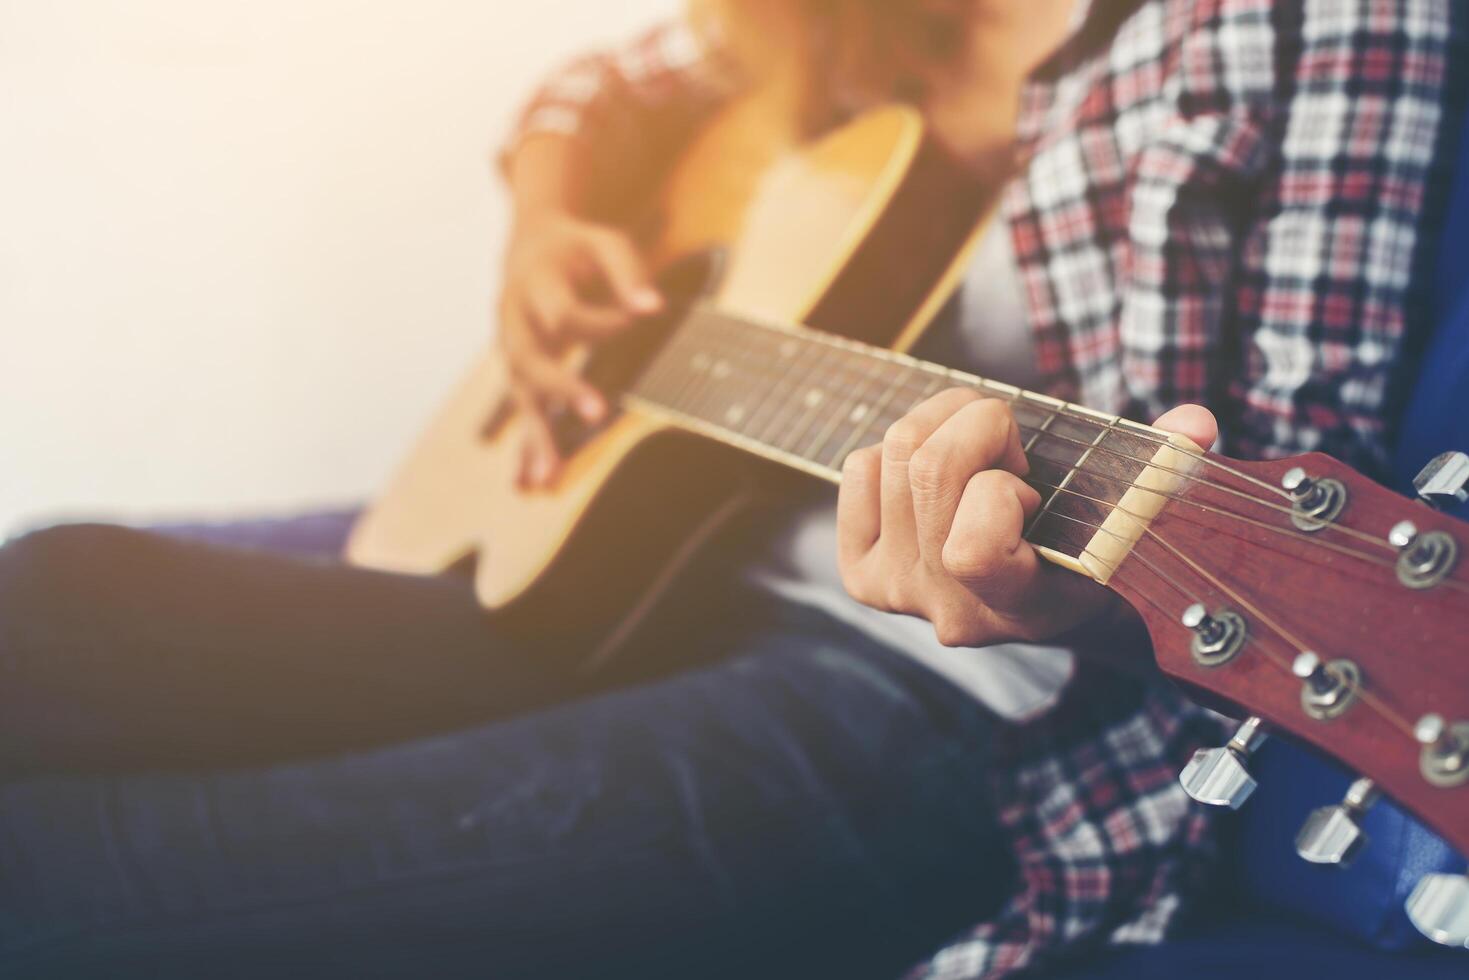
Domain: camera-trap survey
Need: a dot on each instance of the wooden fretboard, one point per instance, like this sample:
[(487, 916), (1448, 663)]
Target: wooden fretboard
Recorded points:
[(807, 398)]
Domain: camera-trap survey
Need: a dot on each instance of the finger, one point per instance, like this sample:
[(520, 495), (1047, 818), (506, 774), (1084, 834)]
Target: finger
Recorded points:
[(899, 443), (544, 375), (546, 300), (588, 321), (622, 268), (559, 315), (985, 549), (859, 515), (539, 461), (1194, 421), (981, 435)]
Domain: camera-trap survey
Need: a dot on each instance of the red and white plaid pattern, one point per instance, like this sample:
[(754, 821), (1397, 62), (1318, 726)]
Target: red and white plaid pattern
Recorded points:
[(1223, 205)]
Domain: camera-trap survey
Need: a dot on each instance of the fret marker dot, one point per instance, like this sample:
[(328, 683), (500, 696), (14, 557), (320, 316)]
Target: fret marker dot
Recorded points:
[(788, 348), (721, 369), (813, 397), (859, 412), (734, 414)]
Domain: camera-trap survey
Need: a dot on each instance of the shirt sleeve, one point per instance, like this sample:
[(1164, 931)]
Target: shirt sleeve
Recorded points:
[(630, 108), (1277, 221)]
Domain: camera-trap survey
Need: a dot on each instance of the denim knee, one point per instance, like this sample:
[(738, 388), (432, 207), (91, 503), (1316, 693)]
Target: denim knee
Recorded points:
[(50, 555)]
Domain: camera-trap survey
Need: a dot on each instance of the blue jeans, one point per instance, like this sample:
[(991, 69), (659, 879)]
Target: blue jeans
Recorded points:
[(223, 762)]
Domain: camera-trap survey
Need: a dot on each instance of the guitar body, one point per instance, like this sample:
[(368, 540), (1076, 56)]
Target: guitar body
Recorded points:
[(866, 227)]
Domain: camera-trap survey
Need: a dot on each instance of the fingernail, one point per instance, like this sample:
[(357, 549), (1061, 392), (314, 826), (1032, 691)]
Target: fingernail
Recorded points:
[(646, 300), (590, 407), (540, 471)]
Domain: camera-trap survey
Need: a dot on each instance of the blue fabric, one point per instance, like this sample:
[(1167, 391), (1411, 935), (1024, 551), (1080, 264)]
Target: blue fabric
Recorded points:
[(1437, 417), (744, 818), (1229, 948), (1365, 899)]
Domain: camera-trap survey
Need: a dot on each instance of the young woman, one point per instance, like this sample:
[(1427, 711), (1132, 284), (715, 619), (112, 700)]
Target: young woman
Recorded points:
[(223, 760)]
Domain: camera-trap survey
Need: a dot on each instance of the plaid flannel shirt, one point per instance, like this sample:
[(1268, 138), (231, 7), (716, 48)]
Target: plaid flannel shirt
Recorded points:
[(1225, 202)]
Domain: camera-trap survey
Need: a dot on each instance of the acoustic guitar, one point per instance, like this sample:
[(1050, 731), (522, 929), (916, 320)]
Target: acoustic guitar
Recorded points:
[(1297, 591)]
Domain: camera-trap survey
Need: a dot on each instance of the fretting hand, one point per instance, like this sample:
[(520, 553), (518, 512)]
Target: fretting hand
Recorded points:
[(929, 523)]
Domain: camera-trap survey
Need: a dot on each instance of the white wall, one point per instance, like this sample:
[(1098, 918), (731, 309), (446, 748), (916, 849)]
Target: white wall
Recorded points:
[(245, 245)]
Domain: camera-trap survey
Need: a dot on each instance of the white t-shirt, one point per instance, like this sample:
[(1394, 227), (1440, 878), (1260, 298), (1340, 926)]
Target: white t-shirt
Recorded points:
[(988, 335)]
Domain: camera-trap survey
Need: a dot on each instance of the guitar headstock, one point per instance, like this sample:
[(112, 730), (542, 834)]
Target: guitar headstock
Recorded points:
[(1318, 603)]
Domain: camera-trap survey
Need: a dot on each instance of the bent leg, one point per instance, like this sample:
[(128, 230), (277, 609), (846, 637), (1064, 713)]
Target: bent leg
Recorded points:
[(120, 647), (818, 806)]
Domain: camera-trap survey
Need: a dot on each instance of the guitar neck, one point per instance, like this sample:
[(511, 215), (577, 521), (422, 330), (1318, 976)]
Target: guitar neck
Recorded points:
[(806, 399)]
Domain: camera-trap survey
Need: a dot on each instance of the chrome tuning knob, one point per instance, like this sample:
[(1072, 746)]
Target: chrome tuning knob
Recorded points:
[(1315, 501), (1444, 760), (1424, 560), (1333, 834), (1444, 481), (1218, 777), (1329, 688), (1439, 908), (1217, 638)]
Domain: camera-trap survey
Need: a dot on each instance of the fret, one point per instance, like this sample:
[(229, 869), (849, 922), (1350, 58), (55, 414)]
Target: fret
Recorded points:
[(914, 386), (866, 425), (787, 355), (1071, 473), (718, 346), (851, 410), (731, 384), (788, 360), (683, 376), (911, 398), (675, 371), (777, 422), (659, 378), (816, 399), (929, 390), (1084, 482), (1040, 430)]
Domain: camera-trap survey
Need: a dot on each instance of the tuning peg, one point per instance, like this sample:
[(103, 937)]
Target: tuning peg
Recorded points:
[(1218, 777), (1329, 688), (1332, 834), (1439, 908), (1445, 757), (1444, 481), (1217, 638), (1315, 501)]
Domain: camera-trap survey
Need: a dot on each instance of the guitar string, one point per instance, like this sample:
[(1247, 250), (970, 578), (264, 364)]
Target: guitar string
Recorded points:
[(1021, 395), (1076, 412), (1057, 411), (1293, 534), (1366, 695), (1267, 527)]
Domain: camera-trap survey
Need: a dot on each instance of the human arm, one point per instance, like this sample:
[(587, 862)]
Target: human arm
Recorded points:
[(598, 132)]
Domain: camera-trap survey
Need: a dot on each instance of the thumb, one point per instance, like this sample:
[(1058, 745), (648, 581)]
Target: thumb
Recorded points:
[(626, 277), (1194, 421)]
